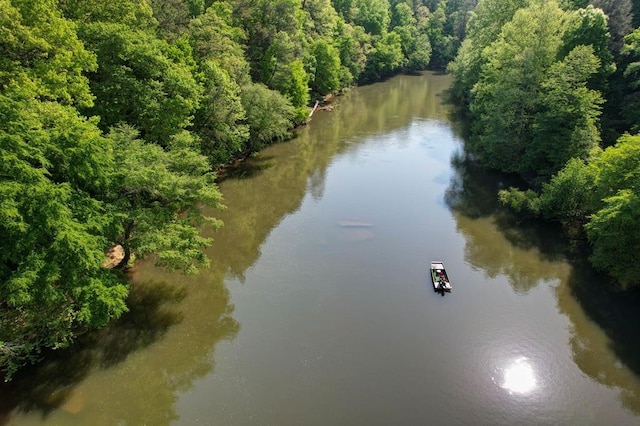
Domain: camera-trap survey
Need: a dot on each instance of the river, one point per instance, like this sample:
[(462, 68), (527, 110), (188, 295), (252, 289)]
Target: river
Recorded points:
[(318, 308)]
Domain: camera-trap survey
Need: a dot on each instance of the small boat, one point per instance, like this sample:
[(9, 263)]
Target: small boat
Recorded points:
[(439, 277)]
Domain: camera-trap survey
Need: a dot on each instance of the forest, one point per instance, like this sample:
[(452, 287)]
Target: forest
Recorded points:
[(562, 110), (116, 116)]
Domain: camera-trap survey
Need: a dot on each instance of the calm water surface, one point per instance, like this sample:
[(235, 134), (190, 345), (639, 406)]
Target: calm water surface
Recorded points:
[(305, 321)]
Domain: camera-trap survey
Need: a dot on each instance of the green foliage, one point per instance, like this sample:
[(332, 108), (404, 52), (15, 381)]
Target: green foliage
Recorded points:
[(353, 43), (384, 58), (213, 37), (156, 197), (269, 115), (483, 28), (588, 27), (132, 13), (569, 196), (524, 202), (40, 48), (373, 15), (565, 124), (55, 166), (532, 112), (219, 120), (327, 69), (614, 233), (631, 102), (298, 88), (614, 227), (141, 81)]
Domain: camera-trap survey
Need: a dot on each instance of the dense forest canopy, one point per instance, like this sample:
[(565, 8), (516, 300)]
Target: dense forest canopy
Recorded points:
[(552, 89), (114, 117)]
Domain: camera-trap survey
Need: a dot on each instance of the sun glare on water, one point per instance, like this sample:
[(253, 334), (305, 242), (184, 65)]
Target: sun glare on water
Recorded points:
[(519, 377)]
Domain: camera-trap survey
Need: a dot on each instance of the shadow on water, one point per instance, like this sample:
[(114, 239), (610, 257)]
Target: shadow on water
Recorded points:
[(246, 169), (51, 384), (588, 298), (472, 196), (617, 315), (45, 386)]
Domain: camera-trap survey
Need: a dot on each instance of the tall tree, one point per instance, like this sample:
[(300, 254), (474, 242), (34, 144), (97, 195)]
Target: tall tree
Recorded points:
[(483, 28), (142, 81), (525, 96), (156, 199)]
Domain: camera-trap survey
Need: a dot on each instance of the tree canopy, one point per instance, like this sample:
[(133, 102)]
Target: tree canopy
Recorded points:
[(537, 76)]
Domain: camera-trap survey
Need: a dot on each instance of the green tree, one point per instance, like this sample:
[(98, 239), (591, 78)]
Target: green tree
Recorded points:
[(132, 13), (442, 44), (219, 121), (505, 100), (213, 37), (269, 115), (483, 28), (373, 15), (384, 58), (588, 27), (141, 81), (533, 113), (40, 48), (156, 199), (631, 109), (353, 43), (327, 69), (565, 125), (614, 233), (620, 17), (55, 168)]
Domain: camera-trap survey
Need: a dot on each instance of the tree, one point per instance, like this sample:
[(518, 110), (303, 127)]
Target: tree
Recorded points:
[(620, 17), (55, 170), (533, 113), (327, 68), (565, 125), (269, 115), (442, 44), (213, 37), (141, 81), (132, 13), (614, 233), (384, 58), (373, 15), (219, 120), (631, 100), (588, 27), (156, 199), (353, 43), (483, 28), (505, 99), (40, 48)]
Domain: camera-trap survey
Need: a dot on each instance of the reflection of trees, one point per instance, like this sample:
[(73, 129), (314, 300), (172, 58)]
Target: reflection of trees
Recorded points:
[(605, 322), (525, 252), (143, 389), (131, 372), (285, 171), (605, 325)]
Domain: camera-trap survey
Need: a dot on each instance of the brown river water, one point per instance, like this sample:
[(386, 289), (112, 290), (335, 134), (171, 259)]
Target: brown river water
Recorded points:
[(318, 308)]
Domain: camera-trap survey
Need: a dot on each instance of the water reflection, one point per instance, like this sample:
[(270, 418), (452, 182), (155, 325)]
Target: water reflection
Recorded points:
[(604, 332), (604, 323), (519, 377), (497, 242), (127, 372)]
